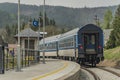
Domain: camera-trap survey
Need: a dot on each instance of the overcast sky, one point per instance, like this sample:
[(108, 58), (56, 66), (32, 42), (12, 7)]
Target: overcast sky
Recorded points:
[(69, 3)]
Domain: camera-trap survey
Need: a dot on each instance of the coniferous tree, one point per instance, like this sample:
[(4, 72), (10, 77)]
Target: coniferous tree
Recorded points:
[(41, 19), (50, 22), (23, 26), (40, 14), (46, 19), (107, 19), (8, 30), (114, 39), (54, 22)]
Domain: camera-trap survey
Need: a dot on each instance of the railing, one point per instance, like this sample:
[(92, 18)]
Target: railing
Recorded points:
[(28, 58)]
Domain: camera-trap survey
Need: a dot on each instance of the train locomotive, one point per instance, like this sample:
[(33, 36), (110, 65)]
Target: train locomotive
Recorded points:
[(84, 44)]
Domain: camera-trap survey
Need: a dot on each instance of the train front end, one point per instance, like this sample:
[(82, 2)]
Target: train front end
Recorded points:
[(90, 44)]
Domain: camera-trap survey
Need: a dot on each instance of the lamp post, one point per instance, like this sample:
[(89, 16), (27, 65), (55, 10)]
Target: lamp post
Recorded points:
[(18, 46), (38, 56), (44, 32), (28, 50)]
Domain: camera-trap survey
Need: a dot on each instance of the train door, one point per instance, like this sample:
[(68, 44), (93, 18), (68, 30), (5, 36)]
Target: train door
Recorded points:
[(90, 43)]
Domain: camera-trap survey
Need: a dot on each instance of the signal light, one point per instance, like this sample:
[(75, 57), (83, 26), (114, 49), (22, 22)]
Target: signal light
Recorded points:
[(99, 47), (81, 47)]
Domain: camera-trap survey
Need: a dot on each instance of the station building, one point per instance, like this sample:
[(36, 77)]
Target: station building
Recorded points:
[(29, 44), (29, 35)]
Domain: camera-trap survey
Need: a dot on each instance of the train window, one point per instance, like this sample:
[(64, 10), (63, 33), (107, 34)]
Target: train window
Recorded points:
[(45, 44), (41, 47), (49, 46), (92, 39), (66, 43), (87, 39)]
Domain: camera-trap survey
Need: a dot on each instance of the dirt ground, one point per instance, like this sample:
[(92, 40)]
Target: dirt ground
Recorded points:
[(110, 63)]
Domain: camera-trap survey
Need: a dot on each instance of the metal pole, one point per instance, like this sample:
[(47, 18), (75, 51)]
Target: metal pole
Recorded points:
[(44, 32), (13, 58), (7, 60), (28, 42), (38, 55), (18, 46)]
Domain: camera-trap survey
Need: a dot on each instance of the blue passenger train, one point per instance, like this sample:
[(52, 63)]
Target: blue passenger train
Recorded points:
[(84, 44)]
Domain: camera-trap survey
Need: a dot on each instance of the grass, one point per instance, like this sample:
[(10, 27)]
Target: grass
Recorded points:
[(112, 54)]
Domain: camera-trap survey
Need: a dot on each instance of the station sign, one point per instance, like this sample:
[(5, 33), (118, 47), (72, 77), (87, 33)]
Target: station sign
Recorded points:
[(1, 60), (35, 23)]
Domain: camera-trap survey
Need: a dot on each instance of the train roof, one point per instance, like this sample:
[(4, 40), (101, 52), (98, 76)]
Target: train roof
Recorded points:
[(57, 37), (90, 27), (51, 39), (70, 33)]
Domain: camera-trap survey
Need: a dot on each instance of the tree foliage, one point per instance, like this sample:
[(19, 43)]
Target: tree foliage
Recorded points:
[(10, 32), (48, 21), (115, 34), (54, 30), (107, 19)]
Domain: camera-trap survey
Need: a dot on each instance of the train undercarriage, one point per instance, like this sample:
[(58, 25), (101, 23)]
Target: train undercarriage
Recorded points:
[(90, 60)]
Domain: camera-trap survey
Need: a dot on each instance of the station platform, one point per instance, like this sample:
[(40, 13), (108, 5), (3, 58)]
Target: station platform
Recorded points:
[(53, 69)]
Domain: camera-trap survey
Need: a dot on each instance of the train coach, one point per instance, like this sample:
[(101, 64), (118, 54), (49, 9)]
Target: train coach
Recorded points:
[(84, 44)]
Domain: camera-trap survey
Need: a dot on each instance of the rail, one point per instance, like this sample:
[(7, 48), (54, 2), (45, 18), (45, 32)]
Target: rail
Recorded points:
[(94, 75), (113, 72)]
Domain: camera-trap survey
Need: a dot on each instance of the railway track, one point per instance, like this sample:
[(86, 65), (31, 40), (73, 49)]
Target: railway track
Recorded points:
[(101, 73), (104, 74), (92, 73), (113, 72)]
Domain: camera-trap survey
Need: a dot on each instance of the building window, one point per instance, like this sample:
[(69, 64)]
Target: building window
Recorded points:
[(31, 44)]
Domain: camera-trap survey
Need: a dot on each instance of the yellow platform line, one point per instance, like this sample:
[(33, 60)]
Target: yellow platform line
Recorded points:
[(53, 72)]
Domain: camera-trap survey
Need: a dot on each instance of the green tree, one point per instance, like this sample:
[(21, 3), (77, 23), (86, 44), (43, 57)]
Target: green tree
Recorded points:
[(14, 29), (40, 14), (115, 34), (10, 32), (7, 28), (107, 19), (46, 19), (40, 19), (111, 42), (97, 21), (62, 30), (52, 22), (23, 26)]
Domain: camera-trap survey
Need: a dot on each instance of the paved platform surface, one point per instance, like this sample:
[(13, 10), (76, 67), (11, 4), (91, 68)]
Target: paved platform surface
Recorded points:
[(51, 70)]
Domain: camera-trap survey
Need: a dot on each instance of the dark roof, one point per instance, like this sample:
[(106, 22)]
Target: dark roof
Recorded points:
[(28, 32), (90, 27)]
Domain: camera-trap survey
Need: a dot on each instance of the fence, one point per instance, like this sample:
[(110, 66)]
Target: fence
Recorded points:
[(28, 58)]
